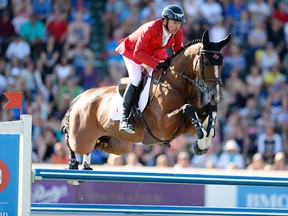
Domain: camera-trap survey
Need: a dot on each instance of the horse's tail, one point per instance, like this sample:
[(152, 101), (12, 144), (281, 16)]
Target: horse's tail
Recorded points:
[(65, 121)]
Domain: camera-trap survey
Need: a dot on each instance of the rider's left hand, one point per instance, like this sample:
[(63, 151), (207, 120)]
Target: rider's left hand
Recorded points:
[(163, 65)]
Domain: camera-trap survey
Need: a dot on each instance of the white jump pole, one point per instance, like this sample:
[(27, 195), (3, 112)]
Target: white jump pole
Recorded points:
[(23, 128)]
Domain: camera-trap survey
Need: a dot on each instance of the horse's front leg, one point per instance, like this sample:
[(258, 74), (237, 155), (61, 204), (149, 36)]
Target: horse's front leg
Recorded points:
[(203, 143), (211, 122)]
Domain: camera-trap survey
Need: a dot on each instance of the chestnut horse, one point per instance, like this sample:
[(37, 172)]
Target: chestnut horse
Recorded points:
[(173, 107)]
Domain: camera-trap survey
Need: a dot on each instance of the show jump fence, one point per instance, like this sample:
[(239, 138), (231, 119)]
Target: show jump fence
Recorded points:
[(24, 168)]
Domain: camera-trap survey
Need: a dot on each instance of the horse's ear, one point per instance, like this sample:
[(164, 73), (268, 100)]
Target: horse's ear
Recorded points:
[(205, 37), (224, 42)]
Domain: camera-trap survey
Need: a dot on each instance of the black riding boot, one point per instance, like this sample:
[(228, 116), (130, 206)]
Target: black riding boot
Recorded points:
[(128, 100)]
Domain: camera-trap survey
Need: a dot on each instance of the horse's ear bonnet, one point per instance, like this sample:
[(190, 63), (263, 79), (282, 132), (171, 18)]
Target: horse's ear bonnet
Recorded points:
[(214, 58)]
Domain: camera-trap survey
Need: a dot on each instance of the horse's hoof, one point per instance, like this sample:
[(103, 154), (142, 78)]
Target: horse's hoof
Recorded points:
[(73, 164), (73, 182), (199, 151), (87, 168)]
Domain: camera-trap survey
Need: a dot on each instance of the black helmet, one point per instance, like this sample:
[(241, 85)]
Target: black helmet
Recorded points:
[(173, 12)]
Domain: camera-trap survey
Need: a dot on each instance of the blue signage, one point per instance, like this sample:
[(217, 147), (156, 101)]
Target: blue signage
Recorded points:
[(262, 197), (9, 174)]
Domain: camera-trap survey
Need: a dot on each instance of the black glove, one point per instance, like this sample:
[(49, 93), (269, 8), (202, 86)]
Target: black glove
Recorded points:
[(163, 65)]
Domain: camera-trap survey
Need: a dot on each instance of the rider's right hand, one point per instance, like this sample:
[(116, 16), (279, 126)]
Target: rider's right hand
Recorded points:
[(163, 65)]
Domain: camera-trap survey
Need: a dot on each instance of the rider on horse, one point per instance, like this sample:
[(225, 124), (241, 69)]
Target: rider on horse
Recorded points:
[(146, 47)]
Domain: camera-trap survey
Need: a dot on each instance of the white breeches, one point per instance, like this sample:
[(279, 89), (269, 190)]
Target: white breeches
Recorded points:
[(134, 71)]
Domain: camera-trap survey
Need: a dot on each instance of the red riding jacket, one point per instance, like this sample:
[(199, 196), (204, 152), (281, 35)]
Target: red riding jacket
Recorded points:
[(145, 44)]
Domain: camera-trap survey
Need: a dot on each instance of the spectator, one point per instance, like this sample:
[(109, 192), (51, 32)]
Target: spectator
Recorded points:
[(273, 77), (275, 34), (60, 154), (191, 8), (78, 30), (234, 60), (4, 5), (257, 163), (183, 161), (80, 56), (208, 160), (18, 44), (63, 70), (57, 25), (259, 10), (112, 10), (210, 11), (112, 55), (88, 76), (3, 75), (66, 92), (257, 39), (49, 55), (21, 6), (42, 9), (279, 162), (254, 81), (27, 74), (237, 90), (280, 14), (45, 144), (218, 30), (277, 104), (115, 160), (269, 143), (34, 32), (233, 11), (7, 31), (268, 58), (241, 29), (116, 72), (241, 138), (231, 158), (132, 160), (162, 161), (82, 6)]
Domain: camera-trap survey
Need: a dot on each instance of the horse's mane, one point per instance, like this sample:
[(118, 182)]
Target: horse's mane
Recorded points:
[(190, 43)]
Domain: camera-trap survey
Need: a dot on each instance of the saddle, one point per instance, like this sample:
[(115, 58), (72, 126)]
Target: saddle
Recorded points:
[(148, 138)]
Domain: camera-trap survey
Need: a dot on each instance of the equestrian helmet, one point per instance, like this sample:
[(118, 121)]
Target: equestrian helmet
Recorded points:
[(173, 12)]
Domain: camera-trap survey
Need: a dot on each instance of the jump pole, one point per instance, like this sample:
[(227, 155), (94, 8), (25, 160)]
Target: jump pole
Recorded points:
[(15, 166)]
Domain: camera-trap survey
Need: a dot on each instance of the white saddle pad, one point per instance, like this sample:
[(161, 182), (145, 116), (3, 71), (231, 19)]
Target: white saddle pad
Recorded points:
[(116, 107)]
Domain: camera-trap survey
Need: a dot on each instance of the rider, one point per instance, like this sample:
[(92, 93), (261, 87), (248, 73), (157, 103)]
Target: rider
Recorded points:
[(146, 47)]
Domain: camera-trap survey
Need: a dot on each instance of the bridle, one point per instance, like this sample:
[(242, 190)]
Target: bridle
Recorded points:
[(201, 53), (200, 84)]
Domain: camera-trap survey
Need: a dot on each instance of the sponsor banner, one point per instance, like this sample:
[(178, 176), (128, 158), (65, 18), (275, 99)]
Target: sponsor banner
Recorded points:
[(118, 193), (221, 196), (9, 174), (262, 197)]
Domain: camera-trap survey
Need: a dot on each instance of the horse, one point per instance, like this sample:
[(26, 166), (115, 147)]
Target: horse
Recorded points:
[(173, 106)]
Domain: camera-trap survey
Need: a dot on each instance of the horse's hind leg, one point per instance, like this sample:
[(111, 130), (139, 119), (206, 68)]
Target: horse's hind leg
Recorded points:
[(73, 163), (86, 162)]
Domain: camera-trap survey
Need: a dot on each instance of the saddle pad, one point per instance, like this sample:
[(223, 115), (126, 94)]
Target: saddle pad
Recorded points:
[(116, 107)]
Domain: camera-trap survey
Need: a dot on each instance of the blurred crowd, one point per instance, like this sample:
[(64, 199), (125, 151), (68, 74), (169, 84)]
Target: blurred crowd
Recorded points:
[(46, 53)]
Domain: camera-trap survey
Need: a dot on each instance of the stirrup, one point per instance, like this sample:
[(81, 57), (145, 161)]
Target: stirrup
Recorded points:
[(126, 126)]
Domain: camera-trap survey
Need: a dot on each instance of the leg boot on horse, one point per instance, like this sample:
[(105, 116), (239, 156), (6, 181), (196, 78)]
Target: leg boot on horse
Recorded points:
[(128, 100)]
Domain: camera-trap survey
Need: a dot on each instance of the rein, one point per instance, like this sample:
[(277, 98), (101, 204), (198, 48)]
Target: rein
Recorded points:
[(198, 83)]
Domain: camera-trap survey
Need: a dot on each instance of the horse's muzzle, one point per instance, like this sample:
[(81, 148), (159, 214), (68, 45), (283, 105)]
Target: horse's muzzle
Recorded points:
[(215, 97)]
